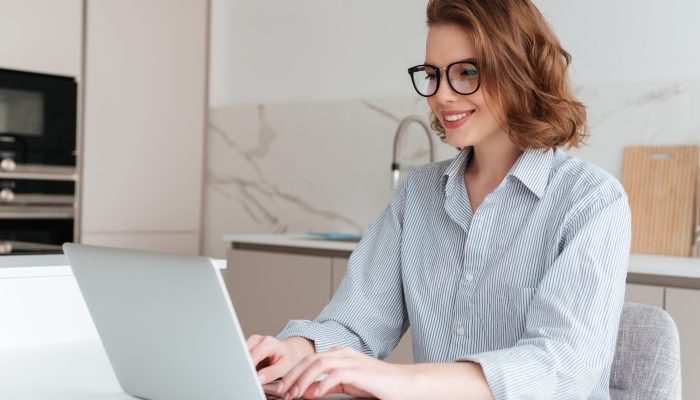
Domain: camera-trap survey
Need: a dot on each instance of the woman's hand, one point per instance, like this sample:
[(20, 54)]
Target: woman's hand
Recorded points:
[(274, 358), (346, 371)]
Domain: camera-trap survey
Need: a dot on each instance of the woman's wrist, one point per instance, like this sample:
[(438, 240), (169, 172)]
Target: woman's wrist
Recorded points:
[(301, 346), (448, 380)]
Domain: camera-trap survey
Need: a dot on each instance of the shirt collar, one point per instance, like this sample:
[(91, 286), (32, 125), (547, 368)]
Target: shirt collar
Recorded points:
[(453, 177), (532, 169)]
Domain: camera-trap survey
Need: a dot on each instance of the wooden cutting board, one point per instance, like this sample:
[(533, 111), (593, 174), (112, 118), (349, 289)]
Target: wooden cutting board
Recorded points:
[(662, 184)]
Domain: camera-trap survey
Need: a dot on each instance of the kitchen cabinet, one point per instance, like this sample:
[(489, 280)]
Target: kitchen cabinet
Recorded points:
[(683, 306), (144, 120), (270, 288), (42, 36), (645, 294), (172, 242)]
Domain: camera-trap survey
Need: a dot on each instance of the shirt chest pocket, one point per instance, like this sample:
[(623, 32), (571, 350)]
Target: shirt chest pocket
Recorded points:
[(501, 315)]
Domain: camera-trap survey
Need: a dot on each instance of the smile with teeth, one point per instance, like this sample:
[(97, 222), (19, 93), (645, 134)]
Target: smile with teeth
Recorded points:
[(456, 117)]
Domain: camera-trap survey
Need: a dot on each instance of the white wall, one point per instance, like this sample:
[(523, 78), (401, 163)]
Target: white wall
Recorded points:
[(307, 50), (41, 36), (628, 41), (285, 91)]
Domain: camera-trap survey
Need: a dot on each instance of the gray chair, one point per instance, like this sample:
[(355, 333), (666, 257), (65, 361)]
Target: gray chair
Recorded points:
[(647, 361)]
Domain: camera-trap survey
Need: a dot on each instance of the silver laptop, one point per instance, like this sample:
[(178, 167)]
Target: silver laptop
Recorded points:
[(166, 323)]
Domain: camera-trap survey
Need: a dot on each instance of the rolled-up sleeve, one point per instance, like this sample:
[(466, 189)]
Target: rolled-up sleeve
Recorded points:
[(572, 319), (368, 311)]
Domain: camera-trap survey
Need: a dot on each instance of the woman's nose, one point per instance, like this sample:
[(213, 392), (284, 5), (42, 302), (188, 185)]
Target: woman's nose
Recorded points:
[(445, 94)]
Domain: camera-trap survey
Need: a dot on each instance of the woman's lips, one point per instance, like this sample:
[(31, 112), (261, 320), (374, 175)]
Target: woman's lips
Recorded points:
[(461, 118)]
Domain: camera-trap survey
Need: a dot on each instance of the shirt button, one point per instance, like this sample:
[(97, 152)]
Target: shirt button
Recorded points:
[(470, 277), (460, 331)]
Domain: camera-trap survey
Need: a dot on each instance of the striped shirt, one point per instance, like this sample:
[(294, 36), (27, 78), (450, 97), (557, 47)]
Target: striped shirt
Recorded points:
[(530, 286)]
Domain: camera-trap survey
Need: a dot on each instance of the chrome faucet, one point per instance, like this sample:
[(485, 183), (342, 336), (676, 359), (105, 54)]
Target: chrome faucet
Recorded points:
[(395, 167)]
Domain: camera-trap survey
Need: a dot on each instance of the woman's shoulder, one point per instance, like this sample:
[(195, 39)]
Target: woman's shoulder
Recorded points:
[(581, 180), (428, 173)]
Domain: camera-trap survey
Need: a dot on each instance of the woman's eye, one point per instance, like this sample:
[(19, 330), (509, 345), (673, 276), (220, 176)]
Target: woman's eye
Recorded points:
[(430, 77), (469, 72)]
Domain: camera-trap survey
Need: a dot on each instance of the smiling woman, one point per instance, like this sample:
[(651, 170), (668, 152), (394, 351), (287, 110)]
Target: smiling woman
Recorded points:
[(522, 67), (507, 263)]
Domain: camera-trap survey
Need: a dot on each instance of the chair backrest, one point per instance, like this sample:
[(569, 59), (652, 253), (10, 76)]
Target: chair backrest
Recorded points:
[(647, 362)]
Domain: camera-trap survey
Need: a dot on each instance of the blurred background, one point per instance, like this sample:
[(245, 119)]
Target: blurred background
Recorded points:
[(192, 126), (198, 119)]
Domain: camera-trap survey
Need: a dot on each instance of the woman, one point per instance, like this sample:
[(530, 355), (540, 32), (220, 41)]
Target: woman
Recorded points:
[(508, 263)]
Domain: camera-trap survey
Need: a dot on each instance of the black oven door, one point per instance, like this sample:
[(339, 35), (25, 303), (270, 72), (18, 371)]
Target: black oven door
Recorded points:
[(36, 211), (37, 118), (37, 230)]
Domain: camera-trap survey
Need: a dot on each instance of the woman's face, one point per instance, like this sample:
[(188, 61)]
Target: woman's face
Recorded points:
[(446, 44)]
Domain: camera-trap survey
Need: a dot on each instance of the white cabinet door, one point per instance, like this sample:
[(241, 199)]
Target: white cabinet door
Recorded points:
[(403, 353), (645, 294), (684, 306), (42, 36), (269, 289), (145, 99), (181, 243)]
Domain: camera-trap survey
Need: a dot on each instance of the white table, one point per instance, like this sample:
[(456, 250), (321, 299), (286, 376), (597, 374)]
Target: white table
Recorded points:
[(65, 371)]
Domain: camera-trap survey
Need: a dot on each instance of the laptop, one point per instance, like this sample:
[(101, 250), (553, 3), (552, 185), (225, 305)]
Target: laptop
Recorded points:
[(167, 324)]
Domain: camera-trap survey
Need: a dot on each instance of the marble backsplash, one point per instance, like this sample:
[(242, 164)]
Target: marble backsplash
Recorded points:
[(325, 166)]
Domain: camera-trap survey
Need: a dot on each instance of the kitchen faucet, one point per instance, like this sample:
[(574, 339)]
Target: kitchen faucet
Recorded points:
[(395, 167)]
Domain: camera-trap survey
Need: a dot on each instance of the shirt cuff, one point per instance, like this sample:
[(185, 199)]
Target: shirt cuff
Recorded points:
[(325, 335), (512, 374)]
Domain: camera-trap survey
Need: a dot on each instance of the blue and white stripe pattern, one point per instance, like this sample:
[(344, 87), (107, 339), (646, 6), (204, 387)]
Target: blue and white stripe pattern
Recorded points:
[(530, 287)]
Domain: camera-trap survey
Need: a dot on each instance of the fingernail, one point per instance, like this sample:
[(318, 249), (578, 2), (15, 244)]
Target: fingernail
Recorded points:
[(295, 392), (280, 388), (261, 378), (317, 392)]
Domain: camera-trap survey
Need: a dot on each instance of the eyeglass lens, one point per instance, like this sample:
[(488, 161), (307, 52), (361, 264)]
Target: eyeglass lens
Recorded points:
[(463, 78)]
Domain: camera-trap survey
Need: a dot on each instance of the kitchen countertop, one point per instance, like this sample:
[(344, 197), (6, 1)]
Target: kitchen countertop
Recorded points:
[(681, 272), (295, 243)]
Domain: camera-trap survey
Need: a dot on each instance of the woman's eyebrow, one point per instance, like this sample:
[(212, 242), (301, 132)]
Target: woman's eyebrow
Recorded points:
[(470, 59)]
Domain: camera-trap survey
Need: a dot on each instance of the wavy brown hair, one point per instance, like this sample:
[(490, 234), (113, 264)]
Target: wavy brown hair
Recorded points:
[(523, 68)]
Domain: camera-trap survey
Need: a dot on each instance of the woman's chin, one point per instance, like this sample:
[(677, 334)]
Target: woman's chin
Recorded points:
[(458, 140)]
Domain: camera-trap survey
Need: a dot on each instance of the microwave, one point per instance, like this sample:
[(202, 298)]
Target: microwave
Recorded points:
[(38, 119)]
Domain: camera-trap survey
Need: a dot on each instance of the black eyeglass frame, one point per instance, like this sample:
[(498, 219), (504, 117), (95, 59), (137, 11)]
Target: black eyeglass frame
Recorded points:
[(447, 77)]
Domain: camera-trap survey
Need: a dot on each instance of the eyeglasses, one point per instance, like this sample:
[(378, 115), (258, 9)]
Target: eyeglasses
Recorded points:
[(462, 76)]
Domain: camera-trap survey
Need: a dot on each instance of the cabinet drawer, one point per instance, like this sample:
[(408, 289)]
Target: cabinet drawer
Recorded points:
[(683, 306), (645, 294)]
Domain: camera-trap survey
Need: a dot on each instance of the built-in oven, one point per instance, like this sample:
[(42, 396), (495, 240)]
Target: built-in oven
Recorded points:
[(38, 119)]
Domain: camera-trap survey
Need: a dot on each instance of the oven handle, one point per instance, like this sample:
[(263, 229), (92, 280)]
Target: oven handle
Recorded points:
[(20, 212), (40, 172), (46, 199)]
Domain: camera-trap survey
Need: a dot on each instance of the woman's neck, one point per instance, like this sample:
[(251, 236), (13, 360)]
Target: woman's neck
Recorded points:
[(491, 160)]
